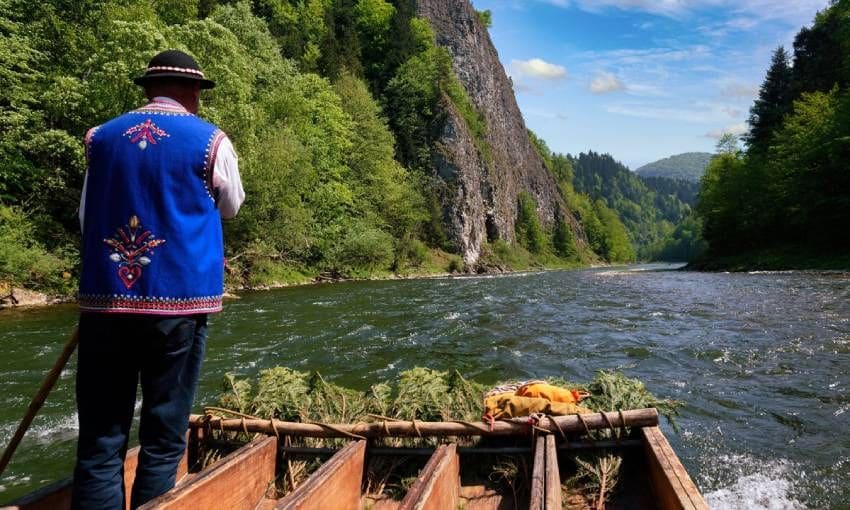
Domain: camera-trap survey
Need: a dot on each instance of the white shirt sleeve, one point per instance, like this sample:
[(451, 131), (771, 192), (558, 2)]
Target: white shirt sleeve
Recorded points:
[(83, 200), (226, 180)]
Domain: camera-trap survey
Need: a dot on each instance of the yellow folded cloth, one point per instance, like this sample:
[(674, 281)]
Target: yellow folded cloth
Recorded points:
[(503, 406), (550, 392)]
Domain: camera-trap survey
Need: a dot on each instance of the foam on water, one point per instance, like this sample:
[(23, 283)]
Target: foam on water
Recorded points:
[(12, 480), (53, 429), (64, 427), (760, 485)]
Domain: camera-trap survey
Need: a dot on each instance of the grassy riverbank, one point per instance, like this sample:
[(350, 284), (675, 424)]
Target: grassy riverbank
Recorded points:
[(498, 257), (776, 259)]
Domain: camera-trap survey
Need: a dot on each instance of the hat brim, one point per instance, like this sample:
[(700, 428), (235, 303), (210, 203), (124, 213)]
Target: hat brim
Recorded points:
[(145, 79)]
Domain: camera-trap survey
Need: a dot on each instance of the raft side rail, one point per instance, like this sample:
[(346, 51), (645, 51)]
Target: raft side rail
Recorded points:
[(672, 486), (636, 418)]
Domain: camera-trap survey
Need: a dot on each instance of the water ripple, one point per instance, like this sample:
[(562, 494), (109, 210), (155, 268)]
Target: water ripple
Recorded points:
[(762, 360)]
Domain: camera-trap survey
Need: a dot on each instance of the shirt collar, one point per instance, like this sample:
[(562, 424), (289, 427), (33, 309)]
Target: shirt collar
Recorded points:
[(168, 101)]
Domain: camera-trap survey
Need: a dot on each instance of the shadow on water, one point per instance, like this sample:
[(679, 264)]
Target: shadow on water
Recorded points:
[(761, 360)]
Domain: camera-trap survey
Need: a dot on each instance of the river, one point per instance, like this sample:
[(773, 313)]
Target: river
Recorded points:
[(761, 360)]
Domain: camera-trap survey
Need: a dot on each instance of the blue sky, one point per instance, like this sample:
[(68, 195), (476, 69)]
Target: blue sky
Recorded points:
[(640, 79)]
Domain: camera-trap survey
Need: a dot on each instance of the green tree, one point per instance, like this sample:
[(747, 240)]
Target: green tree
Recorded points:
[(486, 17), (616, 246), (685, 244), (807, 174), (300, 27), (563, 240), (647, 217), (773, 103), (720, 201), (728, 144), (528, 231), (384, 188), (821, 51)]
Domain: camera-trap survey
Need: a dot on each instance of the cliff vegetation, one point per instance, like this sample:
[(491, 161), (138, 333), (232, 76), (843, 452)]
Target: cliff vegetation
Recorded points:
[(338, 110)]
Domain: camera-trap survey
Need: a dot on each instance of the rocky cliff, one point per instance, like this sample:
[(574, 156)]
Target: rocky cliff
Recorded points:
[(480, 192)]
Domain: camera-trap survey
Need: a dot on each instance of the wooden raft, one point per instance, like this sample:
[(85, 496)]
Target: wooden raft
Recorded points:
[(245, 479)]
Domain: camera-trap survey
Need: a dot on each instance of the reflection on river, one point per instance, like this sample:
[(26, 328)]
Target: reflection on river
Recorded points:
[(762, 360)]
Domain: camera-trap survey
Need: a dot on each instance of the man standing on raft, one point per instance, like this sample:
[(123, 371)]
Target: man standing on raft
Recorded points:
[(159, 180)]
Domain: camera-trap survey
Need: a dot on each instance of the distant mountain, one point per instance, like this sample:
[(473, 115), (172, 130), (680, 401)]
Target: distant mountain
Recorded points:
[(688, 166)]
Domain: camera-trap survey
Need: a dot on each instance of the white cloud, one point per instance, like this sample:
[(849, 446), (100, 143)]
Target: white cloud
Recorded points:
[(722, 30), (604, 83), (739, 90), (747, 12), (647, 56), (694, 112), (741, 23), (663, 7), (645, 90), (732, 112), (658, 112), (736, 129), (537, 68)]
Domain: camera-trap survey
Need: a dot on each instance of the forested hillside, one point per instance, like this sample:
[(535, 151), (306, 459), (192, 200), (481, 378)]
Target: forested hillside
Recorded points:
[(337, 109), (649, 216), (686, 191), (606, 234), (785, 200), (689, 166)]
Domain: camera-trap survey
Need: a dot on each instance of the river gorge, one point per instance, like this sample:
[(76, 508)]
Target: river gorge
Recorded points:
[(760, 360)]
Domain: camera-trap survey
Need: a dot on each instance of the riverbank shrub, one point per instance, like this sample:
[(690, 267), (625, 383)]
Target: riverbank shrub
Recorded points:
[(501, 254), (411, 253), (362, 246), (24, 262)]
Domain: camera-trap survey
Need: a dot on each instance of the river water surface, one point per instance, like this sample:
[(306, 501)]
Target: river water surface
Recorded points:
[(761, 360)]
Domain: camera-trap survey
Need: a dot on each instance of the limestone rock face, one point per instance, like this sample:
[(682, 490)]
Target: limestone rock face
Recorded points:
[(480, 196), (465, 192)]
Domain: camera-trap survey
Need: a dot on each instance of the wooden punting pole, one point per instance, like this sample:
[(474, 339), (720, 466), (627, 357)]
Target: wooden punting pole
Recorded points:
[(556, 424)]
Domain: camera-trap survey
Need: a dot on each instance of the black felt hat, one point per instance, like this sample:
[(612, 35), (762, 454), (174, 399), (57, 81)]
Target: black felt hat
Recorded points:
[(173, 64)]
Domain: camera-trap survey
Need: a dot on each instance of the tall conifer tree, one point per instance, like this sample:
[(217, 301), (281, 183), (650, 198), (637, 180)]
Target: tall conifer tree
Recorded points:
[(773, 103)]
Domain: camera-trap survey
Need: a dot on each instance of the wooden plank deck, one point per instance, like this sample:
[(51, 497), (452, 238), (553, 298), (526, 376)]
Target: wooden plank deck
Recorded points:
[(238, 481), (334, 486), (438, 485)]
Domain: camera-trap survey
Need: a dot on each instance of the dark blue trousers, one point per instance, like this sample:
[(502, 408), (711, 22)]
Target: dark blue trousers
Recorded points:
[(115, 353)]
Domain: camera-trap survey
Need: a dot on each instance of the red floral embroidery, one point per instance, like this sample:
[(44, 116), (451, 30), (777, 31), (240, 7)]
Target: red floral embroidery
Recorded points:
[(145, 133), (131, 249)]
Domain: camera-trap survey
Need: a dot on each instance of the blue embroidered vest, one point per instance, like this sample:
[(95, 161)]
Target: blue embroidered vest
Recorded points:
[(152, 239)]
